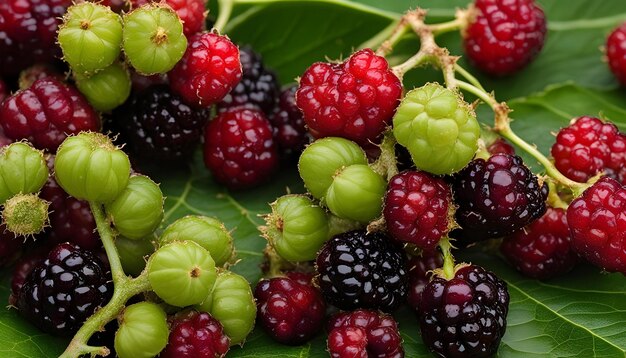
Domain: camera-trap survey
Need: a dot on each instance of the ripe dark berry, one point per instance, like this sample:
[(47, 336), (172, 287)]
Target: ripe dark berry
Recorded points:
[(46, 113), (28, 31), (196, 334), (355, 99), (23, 268), (496, 197), (543, 249), (616, 52), (208, 71), (71, 219), (466, 315), (504, 36), (588, 146), (419, 274), (291, 312), (4, 91), (191, 12), (258, 86), (10, 246), (361, 270), (158, 127), (63, 291), (239, 149), (364, 333), (597, 225), (289, 130), (417, 208)]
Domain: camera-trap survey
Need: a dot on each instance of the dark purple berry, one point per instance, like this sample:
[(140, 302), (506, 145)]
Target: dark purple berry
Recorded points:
[(288, 123)]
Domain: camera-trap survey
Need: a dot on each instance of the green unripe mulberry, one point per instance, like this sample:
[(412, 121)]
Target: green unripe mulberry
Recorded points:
[(356, 193), (23, 170), (133, 253), (143, 331), (438, 128), (207, 232), (231, 302), (296, 228), (182, 273), (89, 167), (90, 37), (138, 210), (106, 89), (320, 161)]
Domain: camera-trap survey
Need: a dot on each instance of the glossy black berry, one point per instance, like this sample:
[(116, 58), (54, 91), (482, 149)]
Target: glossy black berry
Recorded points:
[(361, 270)]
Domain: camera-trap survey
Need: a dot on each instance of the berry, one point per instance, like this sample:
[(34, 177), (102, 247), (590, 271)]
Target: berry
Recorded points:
[(24, 266), (420, 268), (4, 140), (90, 37), (543, 249), (362, 270), (290, 312), (258, 86), (504, 36), (232, 304), (64, 290), (71, 219), (23, 170), (138, 210), (89, 167), (196, 334), (37, 72), (46, 113), (28, 32), (239, 149), (356, 193), (596, 223), (296, 228), (4, 91), (10, 246), (142, 83), (25, 214), (142, 332), (159, 127), (500, 146), (496, 197), (438, 128), (153, 39), (182, 273), (320, 161), (466, 315), (616, 52), (133, 254), (208, 71), (207, 232), (589, 146), (191, 12), (289, 130), (364, 333), (107, 89), (418, 208), (355, 99)]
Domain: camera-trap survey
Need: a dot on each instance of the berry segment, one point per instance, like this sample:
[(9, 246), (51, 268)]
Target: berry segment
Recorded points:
[(616, 52), (196, 334), (354, 100)]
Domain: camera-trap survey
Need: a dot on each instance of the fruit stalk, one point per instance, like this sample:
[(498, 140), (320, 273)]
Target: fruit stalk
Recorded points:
[(448, 259), (226, 8), (106, 236)]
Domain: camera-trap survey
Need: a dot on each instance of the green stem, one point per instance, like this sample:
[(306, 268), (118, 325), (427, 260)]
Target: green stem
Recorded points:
[(448, 259), (106, 236), (554, 200), (226, 9), (386, 38), (468, 76), (416, 60), (126, 289), (442, 28), (386, 164)]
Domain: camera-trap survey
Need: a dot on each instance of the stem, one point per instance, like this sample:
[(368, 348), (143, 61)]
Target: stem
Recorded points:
[(387, 38), (448, 259), (126, 289), (468, 76), (554, 200), (416, 60), (442, 28), (386, 164), (106, 236), (226, 8)]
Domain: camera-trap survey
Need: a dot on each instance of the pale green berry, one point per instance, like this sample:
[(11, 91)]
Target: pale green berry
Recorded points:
[(23, 169), (106, 89), (142, 332), (25, 214), (356, 193), (133, 254)]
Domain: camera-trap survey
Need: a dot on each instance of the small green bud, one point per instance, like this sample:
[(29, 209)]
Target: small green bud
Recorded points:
[(142, 332), (106, 89), (25, 214), (23, 170), (356, 193)]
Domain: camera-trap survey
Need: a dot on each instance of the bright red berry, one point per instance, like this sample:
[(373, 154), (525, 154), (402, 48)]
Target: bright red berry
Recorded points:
[(616, 52), (196, 334), (28, 30), (417, 208), (503, 36), (290, 311), (597, 225), (46, 113), (420, 268), (208, 71), (500, 146), (364, 333), (354, 99), (589, 146), (543, 249), (239, 148), (191, 12)]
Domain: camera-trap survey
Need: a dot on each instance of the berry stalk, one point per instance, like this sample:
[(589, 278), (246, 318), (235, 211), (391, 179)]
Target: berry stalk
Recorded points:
[(226, 8), (448, 259)]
